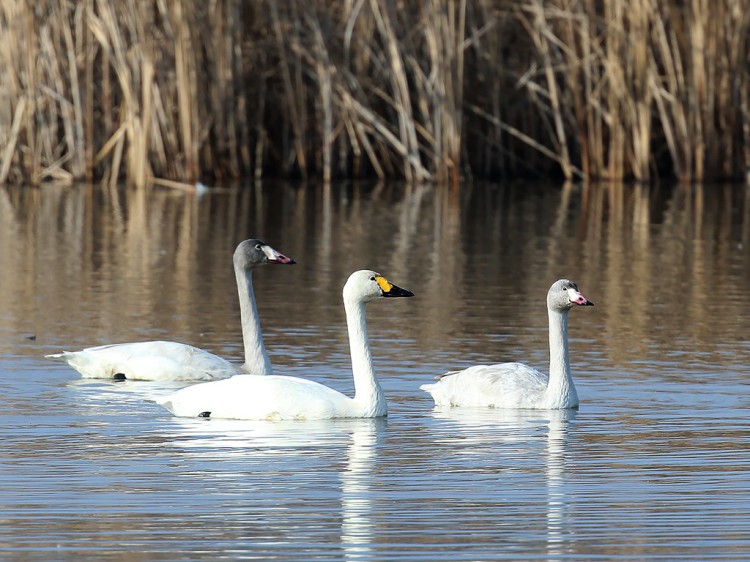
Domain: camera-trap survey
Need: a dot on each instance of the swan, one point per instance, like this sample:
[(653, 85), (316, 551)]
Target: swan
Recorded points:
[(276, 397), (515, 385), (171, 361)]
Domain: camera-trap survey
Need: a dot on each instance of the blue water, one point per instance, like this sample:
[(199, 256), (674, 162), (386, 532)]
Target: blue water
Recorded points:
[(654, 466)]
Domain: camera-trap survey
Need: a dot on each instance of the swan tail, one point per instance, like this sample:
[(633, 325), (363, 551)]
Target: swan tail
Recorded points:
[(166, 403), (84, 363), (437, 394), (448, 374), (179, 409)]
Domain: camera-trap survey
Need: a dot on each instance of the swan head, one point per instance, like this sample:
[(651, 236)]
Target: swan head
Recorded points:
[(564, 295), (256, 252), (366, 285)]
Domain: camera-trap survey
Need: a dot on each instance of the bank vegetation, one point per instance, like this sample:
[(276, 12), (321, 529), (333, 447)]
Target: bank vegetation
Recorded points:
[(421, 90)]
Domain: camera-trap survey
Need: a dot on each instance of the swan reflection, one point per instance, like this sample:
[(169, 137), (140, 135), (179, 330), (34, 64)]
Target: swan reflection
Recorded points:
[(236, 437), (269, 442), (356, 490), (557, 441), (480, 428)]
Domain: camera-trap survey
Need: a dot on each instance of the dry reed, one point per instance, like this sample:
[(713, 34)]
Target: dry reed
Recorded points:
[(430, 90)]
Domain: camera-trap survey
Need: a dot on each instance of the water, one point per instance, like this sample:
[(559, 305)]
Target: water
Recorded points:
[(655, 465)]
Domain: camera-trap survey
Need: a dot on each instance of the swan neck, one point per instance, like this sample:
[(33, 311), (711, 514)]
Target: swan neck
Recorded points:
[(367, 390), (256, 358), (560, 386)]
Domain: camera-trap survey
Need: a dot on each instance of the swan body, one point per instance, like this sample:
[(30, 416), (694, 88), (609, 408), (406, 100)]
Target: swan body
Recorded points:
[(170, 361), (516, 385), (148, 360), (254, 397)]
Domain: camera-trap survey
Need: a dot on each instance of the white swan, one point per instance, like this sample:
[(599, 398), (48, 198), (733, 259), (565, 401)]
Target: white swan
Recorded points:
[(254, 397), (515, 385), (166, 361)]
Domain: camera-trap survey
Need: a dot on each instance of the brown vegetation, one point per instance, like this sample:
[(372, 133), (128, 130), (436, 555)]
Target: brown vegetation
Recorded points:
[(420, 90)]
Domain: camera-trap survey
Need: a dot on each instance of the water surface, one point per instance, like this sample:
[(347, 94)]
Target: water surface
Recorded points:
[(654, 465)]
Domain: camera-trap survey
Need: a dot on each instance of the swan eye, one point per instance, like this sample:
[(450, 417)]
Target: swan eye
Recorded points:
[(257, 246), (372, 278)]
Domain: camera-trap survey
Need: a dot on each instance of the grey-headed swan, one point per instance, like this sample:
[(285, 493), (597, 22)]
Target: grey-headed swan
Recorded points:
[(515, 385), (166, 360)]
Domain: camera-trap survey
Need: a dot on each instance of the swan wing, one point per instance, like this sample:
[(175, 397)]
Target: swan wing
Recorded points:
[(503, 385), (256, 397), (152, 360)]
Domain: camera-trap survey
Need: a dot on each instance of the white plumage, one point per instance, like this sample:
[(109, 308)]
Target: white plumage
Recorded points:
[(279, 397), (515, 385), (171, 361), (149, 360)]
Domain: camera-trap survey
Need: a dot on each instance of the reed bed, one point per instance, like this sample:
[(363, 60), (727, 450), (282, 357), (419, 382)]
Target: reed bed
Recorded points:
[(426, 90)]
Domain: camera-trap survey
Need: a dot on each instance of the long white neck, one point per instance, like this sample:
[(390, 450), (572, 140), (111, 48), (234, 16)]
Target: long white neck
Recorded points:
[(256, 358), (367, 391), (560, 393)]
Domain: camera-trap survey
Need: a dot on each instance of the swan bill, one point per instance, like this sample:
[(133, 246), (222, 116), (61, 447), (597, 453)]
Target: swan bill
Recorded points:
[(390, 290), (274, 256), (579, 300), (575, 296)]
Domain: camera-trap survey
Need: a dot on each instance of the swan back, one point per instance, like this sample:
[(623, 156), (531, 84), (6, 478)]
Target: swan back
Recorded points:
[(148, 361)]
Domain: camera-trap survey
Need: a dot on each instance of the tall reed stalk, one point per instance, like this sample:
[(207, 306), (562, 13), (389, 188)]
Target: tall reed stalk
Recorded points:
[(429, 90)]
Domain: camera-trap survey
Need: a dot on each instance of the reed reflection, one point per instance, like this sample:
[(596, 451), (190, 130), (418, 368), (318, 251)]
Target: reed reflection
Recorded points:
[(663, 352), (675, 250), (406, 237), (445, 272), (84, 265)]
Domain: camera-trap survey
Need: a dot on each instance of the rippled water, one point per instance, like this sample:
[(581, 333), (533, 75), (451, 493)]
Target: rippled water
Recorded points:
[(654, 465)]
